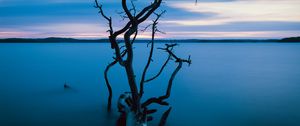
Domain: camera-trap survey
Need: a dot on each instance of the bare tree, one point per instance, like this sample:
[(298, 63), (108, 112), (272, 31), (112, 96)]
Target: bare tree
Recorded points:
[(134, 111)]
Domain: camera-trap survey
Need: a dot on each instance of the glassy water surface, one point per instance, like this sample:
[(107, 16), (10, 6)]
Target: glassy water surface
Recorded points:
[(231, 84)]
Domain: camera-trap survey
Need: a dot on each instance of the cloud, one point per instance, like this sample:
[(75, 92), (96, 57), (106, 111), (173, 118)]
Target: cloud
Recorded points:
[(57, 9), (184, 19), (176, 14), (242, 10), (76, 30), (238, 26)]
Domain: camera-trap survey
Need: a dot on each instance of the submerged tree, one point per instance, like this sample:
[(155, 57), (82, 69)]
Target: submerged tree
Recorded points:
[(134, 110)]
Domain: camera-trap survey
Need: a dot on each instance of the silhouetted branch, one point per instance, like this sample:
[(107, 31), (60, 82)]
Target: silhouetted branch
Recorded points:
[(122, 15), (128, 66), (144, 10), (107, 81), (160, 71), (133, 8), (131, 102), (160, 100), (112, 37), (145, 28), (163, 119), (126, 10), (99, 6), (108, 84), (134, 37), (154, 29), (154, 6), (169, 48), (147, 11)]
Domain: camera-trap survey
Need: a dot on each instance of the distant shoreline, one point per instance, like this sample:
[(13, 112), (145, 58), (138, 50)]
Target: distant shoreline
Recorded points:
[(72, 40)]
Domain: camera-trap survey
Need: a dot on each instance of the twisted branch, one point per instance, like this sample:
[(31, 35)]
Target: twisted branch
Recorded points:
[(131, 28)]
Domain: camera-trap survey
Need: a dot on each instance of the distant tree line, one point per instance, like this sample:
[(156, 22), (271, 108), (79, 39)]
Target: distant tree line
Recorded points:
[(72, 40), (291, 39)]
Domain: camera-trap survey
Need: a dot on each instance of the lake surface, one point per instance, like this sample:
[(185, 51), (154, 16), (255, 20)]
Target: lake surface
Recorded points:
[(228, 84)]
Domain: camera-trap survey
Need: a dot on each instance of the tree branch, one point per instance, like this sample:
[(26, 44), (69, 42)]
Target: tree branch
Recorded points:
[(128, 64), (151, 6), (163, 119), (108, 84), (130, 32), (160, 71), (154, 6), (134, 37), (133, 8), (99, 6), (160, 100), (107, 81), (154, 29), (112, 37), (125, 8)]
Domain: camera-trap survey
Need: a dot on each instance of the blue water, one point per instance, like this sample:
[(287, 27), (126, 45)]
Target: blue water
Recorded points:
[(231, 84)]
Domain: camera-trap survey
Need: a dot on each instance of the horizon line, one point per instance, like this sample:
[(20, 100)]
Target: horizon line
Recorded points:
[(150, 38)]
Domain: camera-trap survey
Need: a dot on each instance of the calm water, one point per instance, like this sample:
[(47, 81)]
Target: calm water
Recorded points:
[(232, 84)]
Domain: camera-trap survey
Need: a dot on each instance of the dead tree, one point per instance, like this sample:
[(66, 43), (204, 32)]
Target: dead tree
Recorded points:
[(131, 104)]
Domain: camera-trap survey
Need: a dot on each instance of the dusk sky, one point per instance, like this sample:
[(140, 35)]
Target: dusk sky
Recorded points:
[(209, 19)]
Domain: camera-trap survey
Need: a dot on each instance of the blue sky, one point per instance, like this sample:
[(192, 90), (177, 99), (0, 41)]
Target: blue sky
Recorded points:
[(209, 19)]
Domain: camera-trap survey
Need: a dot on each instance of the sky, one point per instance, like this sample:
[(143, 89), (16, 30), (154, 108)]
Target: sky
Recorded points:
[(208, 19)]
